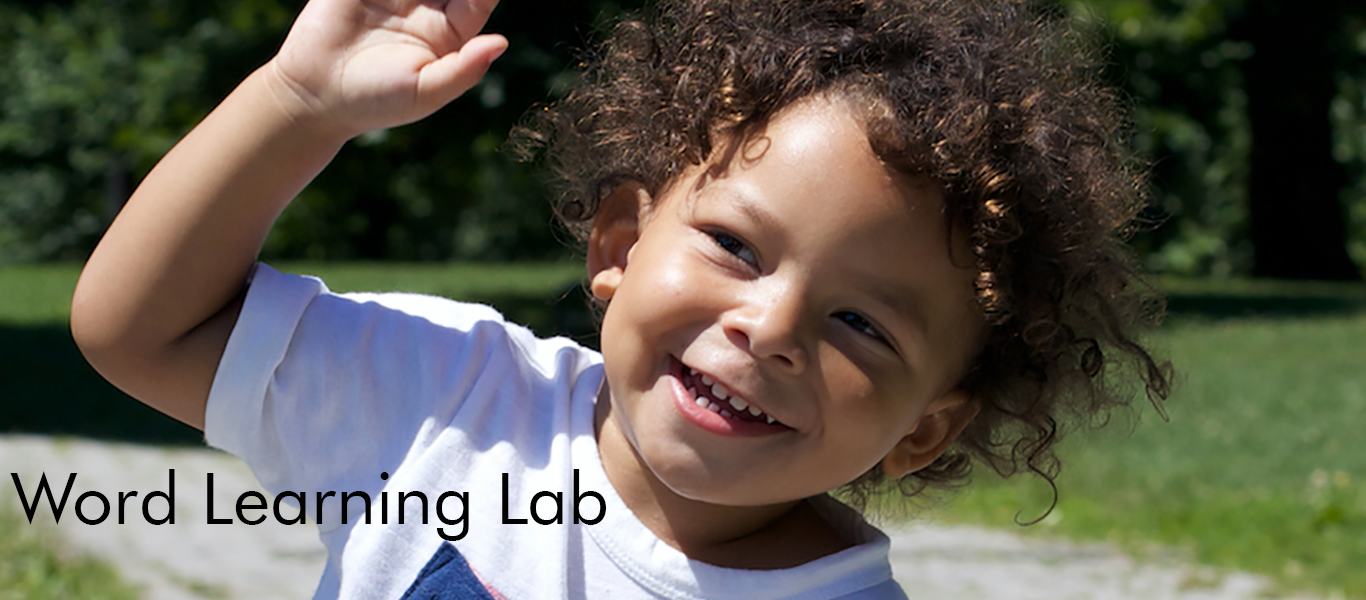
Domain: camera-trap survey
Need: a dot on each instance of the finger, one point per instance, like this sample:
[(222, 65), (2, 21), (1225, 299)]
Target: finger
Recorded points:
[(453, 74), (467, 17)]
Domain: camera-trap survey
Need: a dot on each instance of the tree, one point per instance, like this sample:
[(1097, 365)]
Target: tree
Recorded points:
[(1233, 108), (1189, 122), (1298, 225), (94, 93), (443, 188), (1232, 101)]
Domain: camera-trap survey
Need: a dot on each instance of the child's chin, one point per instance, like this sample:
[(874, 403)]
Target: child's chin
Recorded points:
[(719, 484)]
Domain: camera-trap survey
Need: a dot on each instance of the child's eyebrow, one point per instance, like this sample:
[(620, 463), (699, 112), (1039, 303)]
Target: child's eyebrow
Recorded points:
[(743, 200)]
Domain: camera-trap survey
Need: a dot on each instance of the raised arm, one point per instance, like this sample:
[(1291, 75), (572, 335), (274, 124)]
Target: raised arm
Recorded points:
[(157, 300)]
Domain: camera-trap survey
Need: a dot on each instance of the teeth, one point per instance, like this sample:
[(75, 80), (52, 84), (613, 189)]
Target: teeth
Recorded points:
[(719, 392)]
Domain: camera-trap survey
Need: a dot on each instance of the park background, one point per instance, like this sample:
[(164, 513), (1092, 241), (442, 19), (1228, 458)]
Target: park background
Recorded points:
[(1251, 113)]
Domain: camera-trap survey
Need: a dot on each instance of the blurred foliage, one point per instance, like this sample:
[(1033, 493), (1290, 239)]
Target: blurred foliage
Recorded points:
[(92, 91), (1349, 145), (95, 91), (1183, 64), (1189, 120), (443, 188)]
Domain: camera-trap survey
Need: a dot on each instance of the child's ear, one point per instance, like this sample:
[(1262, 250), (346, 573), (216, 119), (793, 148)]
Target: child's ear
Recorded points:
[(944, 419), (616, 227)]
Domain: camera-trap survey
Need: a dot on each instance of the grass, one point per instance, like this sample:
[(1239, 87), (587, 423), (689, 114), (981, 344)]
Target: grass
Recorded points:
[(41, 294), (36, 566), (1258, 469), (37, 294)]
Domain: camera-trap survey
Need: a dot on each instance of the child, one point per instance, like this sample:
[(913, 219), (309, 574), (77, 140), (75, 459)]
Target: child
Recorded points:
[(840, 244)]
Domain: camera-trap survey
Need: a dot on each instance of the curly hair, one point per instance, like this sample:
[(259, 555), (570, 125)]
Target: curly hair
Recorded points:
[(994, 100)]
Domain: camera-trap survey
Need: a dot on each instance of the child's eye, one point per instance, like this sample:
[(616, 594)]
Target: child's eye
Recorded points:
[(861, 325), (731, 244)]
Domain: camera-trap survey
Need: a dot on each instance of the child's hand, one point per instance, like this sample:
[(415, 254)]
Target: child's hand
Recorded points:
[(351, 66), (161, 293)]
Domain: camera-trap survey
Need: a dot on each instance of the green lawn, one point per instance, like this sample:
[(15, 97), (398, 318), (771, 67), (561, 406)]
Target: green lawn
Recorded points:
[(1259, 467), (35, 566), (41, 294)]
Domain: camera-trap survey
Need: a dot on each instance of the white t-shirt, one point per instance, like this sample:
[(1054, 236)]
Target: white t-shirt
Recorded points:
[(322, 392)]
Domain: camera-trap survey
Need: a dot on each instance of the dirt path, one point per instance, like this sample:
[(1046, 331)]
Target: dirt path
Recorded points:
[(193, 559), (190, 559), (969, 563)]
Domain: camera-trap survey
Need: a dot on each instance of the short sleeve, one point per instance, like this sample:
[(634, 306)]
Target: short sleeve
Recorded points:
[(274, 305), (319, 391)]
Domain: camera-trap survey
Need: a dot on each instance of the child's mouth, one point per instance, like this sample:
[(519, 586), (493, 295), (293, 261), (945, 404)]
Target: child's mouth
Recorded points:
[(714, 396)]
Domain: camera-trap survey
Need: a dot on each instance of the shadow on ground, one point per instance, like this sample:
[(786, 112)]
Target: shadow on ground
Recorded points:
[(46, 387)]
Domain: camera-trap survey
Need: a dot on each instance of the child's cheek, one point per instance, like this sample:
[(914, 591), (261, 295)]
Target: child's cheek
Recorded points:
[(681, 286)]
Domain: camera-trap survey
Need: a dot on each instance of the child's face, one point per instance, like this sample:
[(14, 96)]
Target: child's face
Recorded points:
[(801, 276)]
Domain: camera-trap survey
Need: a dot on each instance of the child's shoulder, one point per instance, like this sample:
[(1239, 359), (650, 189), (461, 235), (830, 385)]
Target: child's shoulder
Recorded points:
[(299, 315)]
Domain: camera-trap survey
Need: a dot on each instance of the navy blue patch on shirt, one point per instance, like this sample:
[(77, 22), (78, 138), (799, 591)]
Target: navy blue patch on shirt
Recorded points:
[(447, 577)]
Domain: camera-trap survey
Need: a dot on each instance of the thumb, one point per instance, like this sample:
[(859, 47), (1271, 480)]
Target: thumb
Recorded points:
[(450, 76)]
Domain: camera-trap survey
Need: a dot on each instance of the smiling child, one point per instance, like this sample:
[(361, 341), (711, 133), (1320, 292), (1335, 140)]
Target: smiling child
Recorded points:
[(840, 245)]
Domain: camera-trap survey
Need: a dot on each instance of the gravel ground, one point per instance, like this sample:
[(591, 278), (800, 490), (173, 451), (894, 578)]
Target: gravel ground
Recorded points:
[(193, 559)]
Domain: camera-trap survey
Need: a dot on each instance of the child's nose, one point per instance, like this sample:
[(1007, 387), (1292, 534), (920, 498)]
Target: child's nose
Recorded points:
[(769, 325)]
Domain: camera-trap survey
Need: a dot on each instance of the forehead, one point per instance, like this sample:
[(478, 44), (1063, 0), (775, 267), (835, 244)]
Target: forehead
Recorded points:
[(812, 170)]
